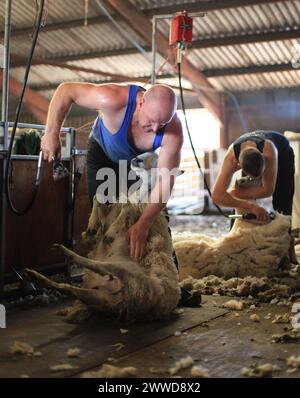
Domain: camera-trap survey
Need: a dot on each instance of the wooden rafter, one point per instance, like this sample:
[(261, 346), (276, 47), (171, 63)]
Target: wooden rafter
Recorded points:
[(35, 102), (245, 70), (249, 70)]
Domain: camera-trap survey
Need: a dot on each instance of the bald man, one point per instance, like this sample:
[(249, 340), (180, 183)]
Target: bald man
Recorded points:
[(132, 121)]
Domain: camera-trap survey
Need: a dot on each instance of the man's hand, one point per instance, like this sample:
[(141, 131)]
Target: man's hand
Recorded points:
[(137, 235), (50, 145), (260, 213)]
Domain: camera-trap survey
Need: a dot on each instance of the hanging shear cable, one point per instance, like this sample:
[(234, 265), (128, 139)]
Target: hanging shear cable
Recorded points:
[(38, 24), (181, 37), (191, 141)]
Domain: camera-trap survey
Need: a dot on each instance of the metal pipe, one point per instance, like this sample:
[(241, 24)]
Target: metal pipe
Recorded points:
[(35, 157), (4, 117), (169, 16), (35, 126), (5, 88), (2, 224), (71, 192), (154, 50)]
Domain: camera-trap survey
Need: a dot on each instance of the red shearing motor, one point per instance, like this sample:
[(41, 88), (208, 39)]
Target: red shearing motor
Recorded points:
[(181, 30)]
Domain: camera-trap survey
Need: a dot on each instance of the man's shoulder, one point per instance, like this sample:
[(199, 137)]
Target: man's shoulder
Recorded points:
[(270, 149), (174, 126), (118, 89), (117, 95), (173, 134), (230, 151), (230, 160)]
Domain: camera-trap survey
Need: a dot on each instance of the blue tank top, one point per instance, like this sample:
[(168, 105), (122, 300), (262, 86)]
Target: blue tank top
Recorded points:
[(259, 136), (116, 146)]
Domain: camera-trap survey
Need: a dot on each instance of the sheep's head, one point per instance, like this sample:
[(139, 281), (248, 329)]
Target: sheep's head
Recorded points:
[(145, 161), (247, 182)]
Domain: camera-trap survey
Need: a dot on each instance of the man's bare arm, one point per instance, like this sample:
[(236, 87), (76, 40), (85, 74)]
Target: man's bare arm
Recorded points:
[(220, 194), (169, 158), (161, 192), (223, 197), (107, 97), (268, 181), (168, 164)]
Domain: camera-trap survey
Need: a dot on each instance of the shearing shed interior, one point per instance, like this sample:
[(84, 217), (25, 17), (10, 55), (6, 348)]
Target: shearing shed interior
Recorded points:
[(150, 192)]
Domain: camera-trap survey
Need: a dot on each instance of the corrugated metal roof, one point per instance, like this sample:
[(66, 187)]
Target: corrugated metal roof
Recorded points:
[(76, 40), (44, 74), (24, 11), (257, 81), (266, 53), (269, 17), (244, 20), (127, 65)]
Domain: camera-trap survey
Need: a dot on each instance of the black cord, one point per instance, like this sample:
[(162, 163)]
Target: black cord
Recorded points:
[(38, 23), (190, 138)]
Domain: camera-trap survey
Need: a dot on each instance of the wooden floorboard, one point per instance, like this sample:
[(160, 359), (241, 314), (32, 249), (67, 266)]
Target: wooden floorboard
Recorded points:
[(49, 334)]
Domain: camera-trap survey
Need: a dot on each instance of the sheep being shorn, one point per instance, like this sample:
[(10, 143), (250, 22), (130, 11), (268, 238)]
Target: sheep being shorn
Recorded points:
[(248, 249), (144, 166), (113, 283)]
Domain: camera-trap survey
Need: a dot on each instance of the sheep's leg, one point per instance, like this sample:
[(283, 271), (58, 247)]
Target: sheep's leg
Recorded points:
[(110, 281), (66, 287), (101, 298), (94, 222), (92, 265)]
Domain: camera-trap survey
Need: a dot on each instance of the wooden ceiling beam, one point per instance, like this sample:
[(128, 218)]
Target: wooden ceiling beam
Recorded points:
[(34, 102), (248, 70)]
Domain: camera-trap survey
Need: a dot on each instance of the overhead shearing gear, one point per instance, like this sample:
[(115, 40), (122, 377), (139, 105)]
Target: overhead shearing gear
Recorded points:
[(181, 30)]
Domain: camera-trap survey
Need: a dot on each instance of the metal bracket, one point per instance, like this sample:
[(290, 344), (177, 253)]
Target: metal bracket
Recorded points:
[(79, 152), (2, 54), (3, 153)]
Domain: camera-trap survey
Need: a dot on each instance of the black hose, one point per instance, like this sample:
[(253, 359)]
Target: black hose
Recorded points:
[(38, 24), (190, 138)]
